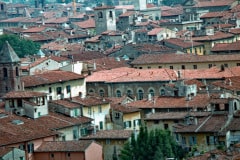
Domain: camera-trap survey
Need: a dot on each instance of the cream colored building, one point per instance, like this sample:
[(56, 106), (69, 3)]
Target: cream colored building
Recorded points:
[(57, 84)]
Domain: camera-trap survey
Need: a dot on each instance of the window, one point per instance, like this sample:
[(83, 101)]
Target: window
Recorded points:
[(117, 115), (162, 92), (149, 67), (238, 64), (110, 14), (83, 131), (210, 140), (192, 140), (59, 90), (108, 141), (159, 66), (30, 147), (17, 72), (225, 65), (195, 66), (136, 122), (91, 91), (151, 92), (127, 124), (89, 110), (69, 154), (5, 72), (183, 66), (75, 134), (52, 155), (99, 109), (140, 94), (165, 126), (129, 92), (118, 93), (101, 93), (50, 89), (68, 88), (210, 65), (101, 125), (140, 67), (100, 15), (171, 67)]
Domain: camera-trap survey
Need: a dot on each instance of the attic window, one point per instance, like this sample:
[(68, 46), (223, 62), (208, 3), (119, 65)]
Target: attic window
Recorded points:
[(17, 122)]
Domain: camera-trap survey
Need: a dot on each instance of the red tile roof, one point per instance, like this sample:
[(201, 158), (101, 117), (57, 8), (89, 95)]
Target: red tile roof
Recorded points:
[(199, 101), (235, 46), (216, 36), (131, 75), (211, 124), (183, 58), (65, 103), (103, 7), (23, 94), (175, 115), (64, 146), (155, 31), (231, 83), (214, 3), (183, 44), (37, 128), (90, 23), (34, 29), (90, 101), (110, 134), (127, 14), (124, 109), (171, 11), (214, 14), (50, 77)]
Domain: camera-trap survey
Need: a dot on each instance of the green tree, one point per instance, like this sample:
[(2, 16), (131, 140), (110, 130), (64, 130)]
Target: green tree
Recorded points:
[(153, 145), (21, 46)]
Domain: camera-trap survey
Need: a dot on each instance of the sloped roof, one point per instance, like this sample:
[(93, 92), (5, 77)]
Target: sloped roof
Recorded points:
[(7, 54), (110, 134), (64, 146), (23, 94), (50, 77)]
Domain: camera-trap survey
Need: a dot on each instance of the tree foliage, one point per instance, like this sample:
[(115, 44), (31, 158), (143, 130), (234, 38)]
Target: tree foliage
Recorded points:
[(172, 2), (153, 145), (21, 46)]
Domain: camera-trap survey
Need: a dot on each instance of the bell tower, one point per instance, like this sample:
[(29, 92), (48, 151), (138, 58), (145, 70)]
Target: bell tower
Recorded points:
[(105, 19), (9, 70)]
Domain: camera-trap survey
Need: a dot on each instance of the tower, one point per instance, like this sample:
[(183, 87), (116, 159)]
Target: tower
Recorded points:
[(140, 5), (105, 19), (9, 70)]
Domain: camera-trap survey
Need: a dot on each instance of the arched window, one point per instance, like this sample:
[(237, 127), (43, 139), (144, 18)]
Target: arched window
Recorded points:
[(17, 72), (101, 92), (110, 14), (162, 92), (151, 92), (129, 92), (118, 93), (100, 15), (90, 91), (140, 94), (5, 72)]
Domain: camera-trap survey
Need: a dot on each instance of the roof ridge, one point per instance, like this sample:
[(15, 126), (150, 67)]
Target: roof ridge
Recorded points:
[(203, 123)]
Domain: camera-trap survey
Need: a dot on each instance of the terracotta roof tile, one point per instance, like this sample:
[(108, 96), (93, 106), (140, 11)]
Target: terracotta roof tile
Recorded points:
[(50, 77), (90, 23), (171, 11), (183, 58), (90, 100), (214, 3), (33, 129), (23, 94), (124, 109), (104, 7), (216, 36), (183, 44), (214, 14), (110, 134), (235, 46), (65, 103), (34, 29), (175, 115), (64, 146), (199, 101), (86, 55), (127, 14), (155, 31), (230, 83)]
